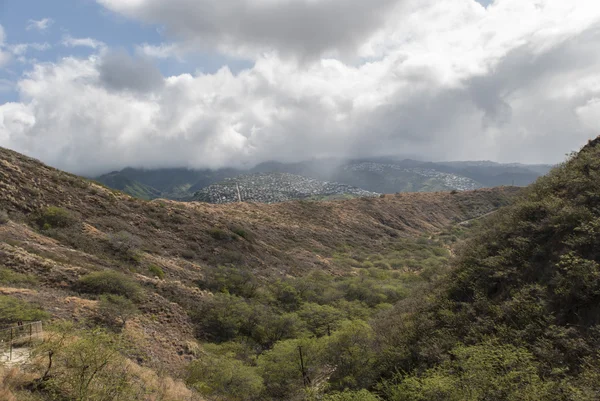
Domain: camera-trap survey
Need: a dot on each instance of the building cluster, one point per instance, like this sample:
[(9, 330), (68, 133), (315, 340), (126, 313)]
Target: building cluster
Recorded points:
[(448, 180), (275, 187)]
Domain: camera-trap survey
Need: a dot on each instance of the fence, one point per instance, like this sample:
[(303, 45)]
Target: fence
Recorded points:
[(17, 336)]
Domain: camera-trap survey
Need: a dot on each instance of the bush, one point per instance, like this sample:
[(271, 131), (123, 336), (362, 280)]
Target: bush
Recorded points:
[(116, 307), (55, 217), (13, 310), (243, 233), (110, 282), (157, 271), (125, 244), (8, 276), (236, 281), (87, 367)]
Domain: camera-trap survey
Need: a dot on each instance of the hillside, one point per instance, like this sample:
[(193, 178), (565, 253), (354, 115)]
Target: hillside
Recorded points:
[(119, 181), (518, 317), (83, 253), (276, 187)]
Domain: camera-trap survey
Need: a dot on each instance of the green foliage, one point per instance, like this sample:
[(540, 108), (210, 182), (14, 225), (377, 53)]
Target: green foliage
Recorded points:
[(483, 372), (86, 368), (10, 277), (54, 217), (351, 349), (321, 319), (242, 233), (156, 271), (110, 282), (236, 281), (225, 317), (224, 377), (348, 395), (116, 308), (280, 367), (13, 310)]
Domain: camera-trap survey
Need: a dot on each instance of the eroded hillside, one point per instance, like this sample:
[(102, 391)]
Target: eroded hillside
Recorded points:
[(58, 228)]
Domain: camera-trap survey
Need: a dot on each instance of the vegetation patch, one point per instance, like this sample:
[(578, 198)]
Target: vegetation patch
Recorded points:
[(110, 282), (13, 310), (11, 277), (55, 217)]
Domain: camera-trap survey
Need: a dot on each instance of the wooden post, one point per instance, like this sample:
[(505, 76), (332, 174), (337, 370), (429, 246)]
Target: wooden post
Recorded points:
[(10, 345), (305, 377), (30, 331)]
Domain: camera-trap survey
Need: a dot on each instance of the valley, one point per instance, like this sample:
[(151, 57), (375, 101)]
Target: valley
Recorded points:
[(386, 298), (174, 282)]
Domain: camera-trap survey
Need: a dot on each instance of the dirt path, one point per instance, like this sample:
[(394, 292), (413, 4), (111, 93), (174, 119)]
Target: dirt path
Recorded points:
[(19, 356)]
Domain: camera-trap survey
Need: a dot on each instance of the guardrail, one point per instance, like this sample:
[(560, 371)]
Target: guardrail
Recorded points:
[(20, 334)]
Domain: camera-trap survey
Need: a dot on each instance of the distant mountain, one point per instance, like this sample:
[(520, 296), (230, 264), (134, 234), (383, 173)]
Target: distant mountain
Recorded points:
[(276, 187), (379, 175), (119, 181)]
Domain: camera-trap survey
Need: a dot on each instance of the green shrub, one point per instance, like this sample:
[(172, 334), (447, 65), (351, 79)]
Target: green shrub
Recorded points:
[(482, 372), (156, 271), (243, 233), (13, 310), (8, 276), (86, 365), (126, 245), (236, 281), (110, 282), (116, 308), (55, 217), (224, 378)]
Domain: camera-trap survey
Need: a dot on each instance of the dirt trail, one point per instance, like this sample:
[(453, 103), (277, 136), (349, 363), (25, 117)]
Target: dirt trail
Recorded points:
[(19, 356)]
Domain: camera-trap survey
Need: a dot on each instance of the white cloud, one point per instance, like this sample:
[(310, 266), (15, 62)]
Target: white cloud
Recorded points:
[(39, 25), (5, 56), (22, 48), (162, 51), (69, 41), (446, 79)]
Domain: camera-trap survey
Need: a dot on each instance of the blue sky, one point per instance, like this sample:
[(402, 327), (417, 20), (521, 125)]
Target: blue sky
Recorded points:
[(87, 19)]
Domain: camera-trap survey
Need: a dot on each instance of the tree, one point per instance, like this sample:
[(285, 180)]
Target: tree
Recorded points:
[(85, 367), (116, 307)]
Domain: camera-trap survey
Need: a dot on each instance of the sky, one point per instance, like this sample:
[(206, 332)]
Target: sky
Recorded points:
[(92, 86)]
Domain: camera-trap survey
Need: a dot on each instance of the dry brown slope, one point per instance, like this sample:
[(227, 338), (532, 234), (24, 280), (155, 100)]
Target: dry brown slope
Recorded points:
[(184, 239)]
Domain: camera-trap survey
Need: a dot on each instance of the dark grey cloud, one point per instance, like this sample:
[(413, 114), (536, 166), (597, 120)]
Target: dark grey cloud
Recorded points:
[(120, 71), (303, 28)]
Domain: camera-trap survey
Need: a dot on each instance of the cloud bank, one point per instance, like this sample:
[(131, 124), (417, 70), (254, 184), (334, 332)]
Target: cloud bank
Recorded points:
[(444, 79)]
